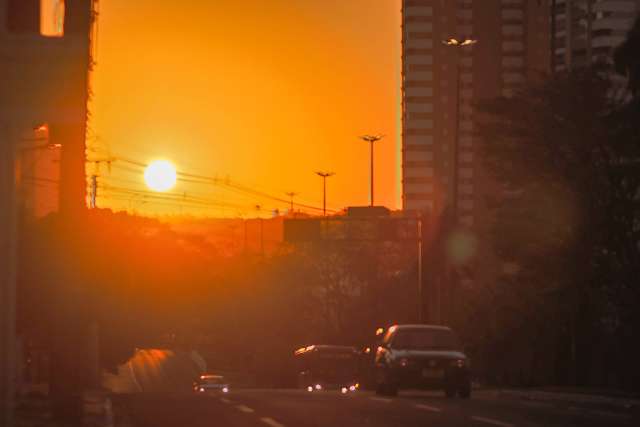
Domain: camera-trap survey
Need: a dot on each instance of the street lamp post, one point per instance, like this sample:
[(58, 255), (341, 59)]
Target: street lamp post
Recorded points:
[(458, 45), (371, 139), (324, 176)]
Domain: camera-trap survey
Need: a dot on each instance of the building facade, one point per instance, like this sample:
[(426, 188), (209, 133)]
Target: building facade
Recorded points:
[(45, 59), (507, 43), (441, 83), (586, 31)]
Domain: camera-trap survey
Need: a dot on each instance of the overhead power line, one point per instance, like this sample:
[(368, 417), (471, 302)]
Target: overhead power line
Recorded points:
[(225, 183)]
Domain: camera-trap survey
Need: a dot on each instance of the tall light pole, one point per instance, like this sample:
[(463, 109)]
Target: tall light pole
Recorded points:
[(291, 195), (371, 139), (324, 176), (457, 45)]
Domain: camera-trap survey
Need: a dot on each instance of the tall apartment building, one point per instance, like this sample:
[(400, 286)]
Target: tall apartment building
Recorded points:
[(44, 63), (440, 85), (585, 31)]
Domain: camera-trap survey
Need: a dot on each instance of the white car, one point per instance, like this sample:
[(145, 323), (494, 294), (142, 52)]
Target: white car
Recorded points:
[(211, 383)]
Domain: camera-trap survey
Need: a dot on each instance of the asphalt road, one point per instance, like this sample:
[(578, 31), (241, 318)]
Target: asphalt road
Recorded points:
[(156, 393), (297, 408)]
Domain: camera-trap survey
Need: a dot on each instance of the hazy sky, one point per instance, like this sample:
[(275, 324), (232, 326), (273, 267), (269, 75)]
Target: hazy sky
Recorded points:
[(263, 91)]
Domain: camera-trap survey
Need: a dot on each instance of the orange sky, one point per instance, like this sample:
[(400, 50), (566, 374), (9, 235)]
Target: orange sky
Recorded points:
[(265, 92)]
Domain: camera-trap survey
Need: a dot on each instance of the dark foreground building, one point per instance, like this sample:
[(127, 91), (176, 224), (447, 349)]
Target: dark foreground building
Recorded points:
[(45, 57)]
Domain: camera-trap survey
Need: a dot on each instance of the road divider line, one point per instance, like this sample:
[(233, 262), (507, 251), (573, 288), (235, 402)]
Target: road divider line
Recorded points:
[(428, 408), (225, 400), (271, 422), (597, 412), (381, 399), (492, 422), (244, 409), (133, 376)]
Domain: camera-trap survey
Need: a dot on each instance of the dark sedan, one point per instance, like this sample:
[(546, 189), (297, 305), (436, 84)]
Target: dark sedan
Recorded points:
[(423, 357)]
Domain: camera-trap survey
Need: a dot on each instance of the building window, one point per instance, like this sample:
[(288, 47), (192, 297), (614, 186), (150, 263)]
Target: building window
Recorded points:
[(513, 30), (466, 205), (512, 14), (466, 173), (467, 220), (466, 189), (513, 61), (511, 78), (512, 46), (36, 17), (52, 18)]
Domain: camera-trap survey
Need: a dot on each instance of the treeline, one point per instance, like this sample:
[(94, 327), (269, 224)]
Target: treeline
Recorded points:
[(565, 152), (146, 285)]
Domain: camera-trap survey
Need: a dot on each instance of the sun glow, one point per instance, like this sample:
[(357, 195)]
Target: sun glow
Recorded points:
[(160, 175)]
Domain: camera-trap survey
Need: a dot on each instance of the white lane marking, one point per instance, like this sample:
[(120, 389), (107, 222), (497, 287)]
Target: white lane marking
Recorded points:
[(491, 421), (133, 376), (245, 409), (381, 399), (428, 408), (271, 422), (224, 400), (586, 411)]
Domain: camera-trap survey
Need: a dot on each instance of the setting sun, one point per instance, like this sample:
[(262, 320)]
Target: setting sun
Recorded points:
[(160, 175)]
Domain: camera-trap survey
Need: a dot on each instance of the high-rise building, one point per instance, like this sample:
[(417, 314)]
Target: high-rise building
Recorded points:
[(441, 83), (585, 31), (44, 64)]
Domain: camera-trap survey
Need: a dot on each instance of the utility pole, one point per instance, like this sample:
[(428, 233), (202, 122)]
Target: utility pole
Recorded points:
[(260, 219), (324, 176), (244, 220), (94, 190), (291, 195), (371, 139)]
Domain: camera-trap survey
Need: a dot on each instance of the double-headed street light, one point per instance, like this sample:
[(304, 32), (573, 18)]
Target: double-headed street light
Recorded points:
[(324, 176), (458, 45), (371, 139), (459, 42)]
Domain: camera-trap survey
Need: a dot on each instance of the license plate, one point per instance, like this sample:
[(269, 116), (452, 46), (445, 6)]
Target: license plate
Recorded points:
[(432, 373)]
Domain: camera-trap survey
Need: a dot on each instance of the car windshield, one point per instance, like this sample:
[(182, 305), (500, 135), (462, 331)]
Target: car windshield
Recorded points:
[(425, 339), (212, 380)]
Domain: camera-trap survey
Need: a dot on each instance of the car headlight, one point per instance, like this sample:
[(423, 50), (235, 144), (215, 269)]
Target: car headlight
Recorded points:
[(201, 389), (225, 389)]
